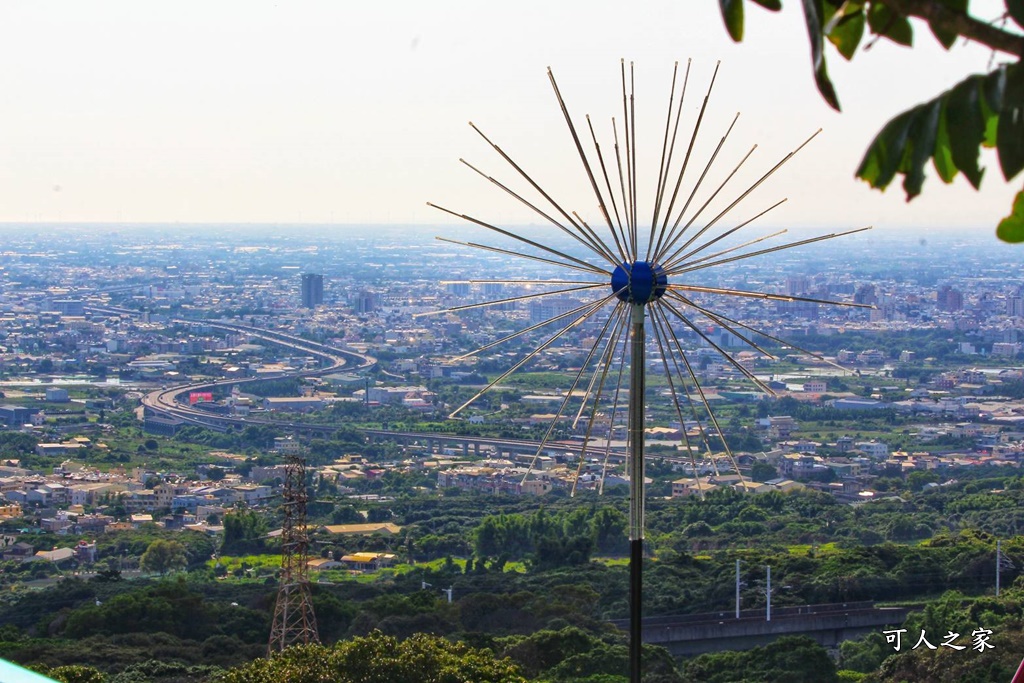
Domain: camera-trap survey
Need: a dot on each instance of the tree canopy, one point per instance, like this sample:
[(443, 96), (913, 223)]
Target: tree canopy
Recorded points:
[(163, 556), (376, 657), (983, 110)]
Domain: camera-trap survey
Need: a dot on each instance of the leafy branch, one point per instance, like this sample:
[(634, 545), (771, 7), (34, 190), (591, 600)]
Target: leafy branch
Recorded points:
[(983, 110)]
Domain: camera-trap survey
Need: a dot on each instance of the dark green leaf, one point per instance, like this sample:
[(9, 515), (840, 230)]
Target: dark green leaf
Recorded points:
[(966, 125), (847, 33), (1016, 10), (1010, 130), (884, 22), (993, 87), (732, 13), (920, 145), (1011, 228), (773, 5), (885, 155), (813, 17), (990, 115), (944, 34), (943, 156)]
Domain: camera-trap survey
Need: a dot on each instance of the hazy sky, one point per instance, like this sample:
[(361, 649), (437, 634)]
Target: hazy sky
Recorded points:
[(344, 112)]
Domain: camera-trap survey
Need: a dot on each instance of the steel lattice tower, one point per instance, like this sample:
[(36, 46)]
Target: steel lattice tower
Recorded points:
[(294, 620)]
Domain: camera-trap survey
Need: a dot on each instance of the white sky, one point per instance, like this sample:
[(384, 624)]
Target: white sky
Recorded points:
[(344, 112)]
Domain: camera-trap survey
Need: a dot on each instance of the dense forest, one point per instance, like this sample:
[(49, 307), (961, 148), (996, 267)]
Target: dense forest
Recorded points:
[(534, 588)]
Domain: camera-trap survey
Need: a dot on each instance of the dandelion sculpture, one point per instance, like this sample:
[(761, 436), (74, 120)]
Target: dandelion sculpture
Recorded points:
[(645, 273)]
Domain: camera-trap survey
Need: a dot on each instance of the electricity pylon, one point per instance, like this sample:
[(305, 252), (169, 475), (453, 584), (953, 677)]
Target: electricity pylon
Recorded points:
[(294, 621)]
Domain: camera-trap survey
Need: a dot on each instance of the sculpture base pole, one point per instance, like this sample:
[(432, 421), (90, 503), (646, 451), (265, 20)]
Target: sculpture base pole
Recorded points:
[(636, 489)]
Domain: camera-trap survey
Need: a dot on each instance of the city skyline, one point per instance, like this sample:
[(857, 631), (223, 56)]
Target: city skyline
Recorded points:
[(330, 115)]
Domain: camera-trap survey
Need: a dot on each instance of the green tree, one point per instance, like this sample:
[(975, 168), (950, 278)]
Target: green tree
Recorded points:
[(76, 673), (608, 526), (244, 532), (983, 110), (163, 556), (377, 658), (346, 514), (790, 659), (763, 471)]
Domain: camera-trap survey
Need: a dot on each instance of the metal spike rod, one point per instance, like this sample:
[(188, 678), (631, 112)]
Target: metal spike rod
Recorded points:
[(684, 300), (606, 360), (675, 270), (511, 299), (592, 310), (663, 186), (719, 320), (764, 295), (707, 405), (661, 324), (738, 199), (617, 230), (593, 246), (521, 282), (497, 250), (722, 352), (527, 177), (686, 161), (593, 414), (579, 149), (518, 333), (673, 235), (729, 233), (666, 358), (616, 315), (611, 418), (707, 202), (514, 236), (662, 164)]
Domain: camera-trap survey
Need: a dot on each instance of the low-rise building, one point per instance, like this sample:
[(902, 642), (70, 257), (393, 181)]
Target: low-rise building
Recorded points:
[(367, 529), (691, 486), (368, 561)]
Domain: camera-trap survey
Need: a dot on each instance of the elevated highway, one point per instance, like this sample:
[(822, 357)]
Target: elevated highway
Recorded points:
[(169, 402), (829, 625)]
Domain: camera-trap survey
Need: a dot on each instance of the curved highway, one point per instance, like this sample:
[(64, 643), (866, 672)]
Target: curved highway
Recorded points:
[(168, 402)]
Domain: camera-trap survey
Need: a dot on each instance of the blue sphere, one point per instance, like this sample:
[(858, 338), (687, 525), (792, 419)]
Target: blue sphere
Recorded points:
[(639, 282)]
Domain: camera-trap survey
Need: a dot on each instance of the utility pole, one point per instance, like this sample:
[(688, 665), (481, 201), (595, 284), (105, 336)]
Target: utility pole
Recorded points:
[(768, 593), (737, 589), (999, 549)]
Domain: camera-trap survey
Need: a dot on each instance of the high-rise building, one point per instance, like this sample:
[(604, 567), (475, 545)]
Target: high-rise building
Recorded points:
[(547, 308), (69, 307), (365, 302), (460, 288), (312, 290), (865, 294), (797, 284), (949, 299), (1015, 306)]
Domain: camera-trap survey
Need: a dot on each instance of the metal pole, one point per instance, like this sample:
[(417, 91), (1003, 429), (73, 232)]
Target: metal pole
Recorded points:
[(636, 489), (737, 589), (769, 594), (998, 558)]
